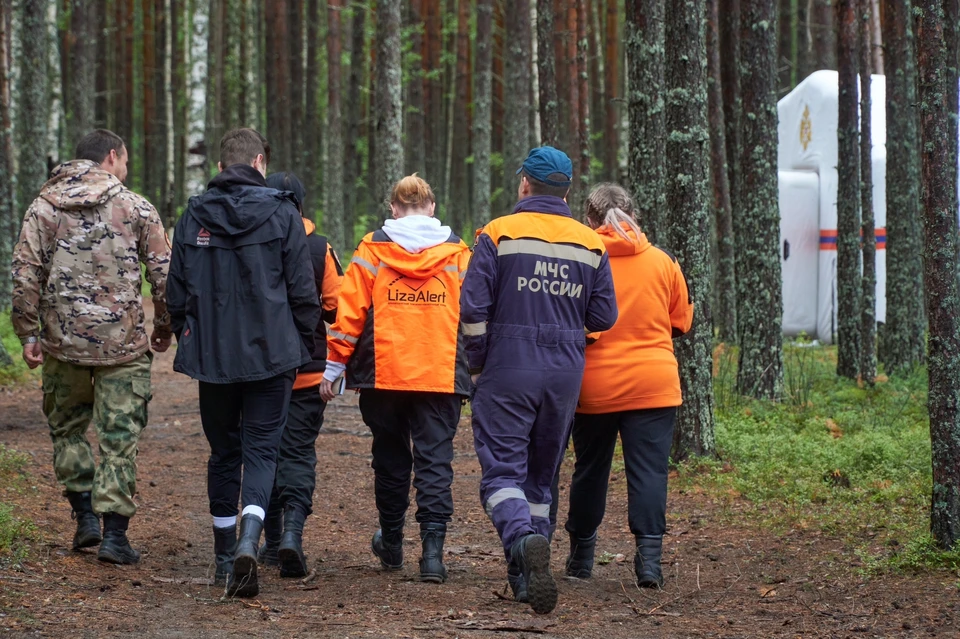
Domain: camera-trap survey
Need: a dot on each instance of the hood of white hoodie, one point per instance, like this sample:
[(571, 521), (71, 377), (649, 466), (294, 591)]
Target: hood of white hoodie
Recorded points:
[(417, 233)]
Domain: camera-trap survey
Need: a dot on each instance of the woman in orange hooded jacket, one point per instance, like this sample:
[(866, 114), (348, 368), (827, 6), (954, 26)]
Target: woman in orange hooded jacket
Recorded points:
[(631, 387)]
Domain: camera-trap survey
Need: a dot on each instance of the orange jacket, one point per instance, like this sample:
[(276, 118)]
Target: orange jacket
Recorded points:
[(398, 317), (632, 366)]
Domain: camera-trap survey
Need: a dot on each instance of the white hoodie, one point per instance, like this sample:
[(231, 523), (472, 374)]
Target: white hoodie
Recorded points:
[(417, 233)]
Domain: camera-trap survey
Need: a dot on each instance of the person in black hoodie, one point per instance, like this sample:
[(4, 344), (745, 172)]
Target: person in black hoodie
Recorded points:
[(244, 307)]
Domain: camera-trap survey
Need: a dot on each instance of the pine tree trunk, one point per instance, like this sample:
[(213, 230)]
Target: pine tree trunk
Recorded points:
[(825, 36), (785, 35), (333, 172), (732, 105), (726, 281), (213, 129), (167, 211), (688, 191), (483, 85), (868, 303), (148, 176), (939, 193), (497, 197), (353, 155), (759, 284), (611, 93), (388, 113), (278, 85), (806, 60), (516, 95), (583, 111), (295, 43), (414, 113), (79, 74), (547, 75), (457, 200), (645, 101), (33, 92), (848, 197), (9, 218)]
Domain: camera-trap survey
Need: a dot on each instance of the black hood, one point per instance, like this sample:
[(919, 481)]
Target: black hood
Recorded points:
[(237, 201)]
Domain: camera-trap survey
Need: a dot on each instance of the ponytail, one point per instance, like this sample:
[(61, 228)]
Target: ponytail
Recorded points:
[(615, 218), (610, 205)]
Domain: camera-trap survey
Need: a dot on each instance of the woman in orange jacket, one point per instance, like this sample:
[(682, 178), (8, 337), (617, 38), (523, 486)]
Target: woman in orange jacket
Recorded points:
[(397, 337), (631, 387)]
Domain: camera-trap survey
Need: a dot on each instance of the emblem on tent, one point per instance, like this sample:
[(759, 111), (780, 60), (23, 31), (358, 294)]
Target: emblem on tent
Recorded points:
[(806, 128)]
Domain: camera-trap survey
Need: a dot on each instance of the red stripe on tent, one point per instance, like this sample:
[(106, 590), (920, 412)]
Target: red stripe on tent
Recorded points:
[(828, 239)]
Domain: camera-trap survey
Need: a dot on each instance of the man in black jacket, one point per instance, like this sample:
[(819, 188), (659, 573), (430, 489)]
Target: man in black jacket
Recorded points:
[(244, 308)]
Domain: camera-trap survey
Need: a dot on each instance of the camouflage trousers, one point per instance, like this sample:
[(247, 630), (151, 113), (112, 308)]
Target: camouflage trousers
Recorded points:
[(115, 398)]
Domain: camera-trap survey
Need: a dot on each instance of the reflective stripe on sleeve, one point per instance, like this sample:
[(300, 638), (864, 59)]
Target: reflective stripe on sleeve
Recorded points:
[(473, 330), (338, 335), (540, 510), (365, 264), (546, 249), (501, 496)]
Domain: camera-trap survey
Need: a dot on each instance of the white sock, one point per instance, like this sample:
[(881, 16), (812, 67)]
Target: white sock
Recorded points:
[(225, 522), (254, 510)]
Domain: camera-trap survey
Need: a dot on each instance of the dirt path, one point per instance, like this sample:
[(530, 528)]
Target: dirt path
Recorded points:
[(723, 581)]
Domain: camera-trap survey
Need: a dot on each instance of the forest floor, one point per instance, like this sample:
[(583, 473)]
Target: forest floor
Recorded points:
[(727, 575)]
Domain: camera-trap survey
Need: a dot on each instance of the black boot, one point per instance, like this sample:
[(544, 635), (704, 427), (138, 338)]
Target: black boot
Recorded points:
[(431, 561), (115, 548), (243, 582), (532, 554), (88, 524), (580, 559), (293, 563), (646, 562), (387, 544), (272, 530), (517, 583), (224, 547)]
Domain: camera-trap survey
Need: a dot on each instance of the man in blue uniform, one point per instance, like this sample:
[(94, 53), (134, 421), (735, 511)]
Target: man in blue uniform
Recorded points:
[(537, 279)]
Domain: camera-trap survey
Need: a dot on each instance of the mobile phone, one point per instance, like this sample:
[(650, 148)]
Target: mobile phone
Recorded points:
[(340, 386)]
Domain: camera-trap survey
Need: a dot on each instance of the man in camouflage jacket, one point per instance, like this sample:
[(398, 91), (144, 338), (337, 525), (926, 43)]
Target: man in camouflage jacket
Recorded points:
[(78, 312)]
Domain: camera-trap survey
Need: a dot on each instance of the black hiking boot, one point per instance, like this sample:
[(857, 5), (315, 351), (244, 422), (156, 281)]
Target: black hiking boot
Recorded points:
[(272, 531), (293, 563), (88, 524), (387, 544), (432, 569), (532, 554), (646, 562), (243, 582), (115, 547), (517, 583), (224, 547), (580, 559)]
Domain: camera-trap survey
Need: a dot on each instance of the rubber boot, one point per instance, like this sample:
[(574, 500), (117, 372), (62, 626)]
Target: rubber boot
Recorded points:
[(115, 547), (293, 563), (272, 531), (387, 544), (224, 547), (517, 583), (432, 569), (88, 524), (532, 554), (243, 582), (646, 562), (580, 559)]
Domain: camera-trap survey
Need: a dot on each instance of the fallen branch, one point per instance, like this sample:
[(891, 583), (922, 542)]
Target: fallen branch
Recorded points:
[(535, 631), (194, 581), (310, 576)]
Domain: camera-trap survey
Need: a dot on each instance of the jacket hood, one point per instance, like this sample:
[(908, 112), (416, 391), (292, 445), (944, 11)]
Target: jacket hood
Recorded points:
[(425, 232), (617, 245), (80, 184), (308, 226), (238, 201), (417, 233)]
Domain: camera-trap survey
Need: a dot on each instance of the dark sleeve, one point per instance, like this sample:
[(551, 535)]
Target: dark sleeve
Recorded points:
[(176, 290), (602, 307), (477, 300), (298, 275)]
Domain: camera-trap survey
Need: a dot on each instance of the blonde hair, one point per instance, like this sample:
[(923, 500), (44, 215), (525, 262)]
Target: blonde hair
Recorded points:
[(611, 205), (412, 192)]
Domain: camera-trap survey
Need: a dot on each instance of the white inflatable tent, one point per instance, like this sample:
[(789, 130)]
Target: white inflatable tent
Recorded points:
[(807, 163)]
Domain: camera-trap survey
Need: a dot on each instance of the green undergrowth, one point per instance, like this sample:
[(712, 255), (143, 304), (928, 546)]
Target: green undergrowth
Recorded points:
[(14, 530), (14, 370)]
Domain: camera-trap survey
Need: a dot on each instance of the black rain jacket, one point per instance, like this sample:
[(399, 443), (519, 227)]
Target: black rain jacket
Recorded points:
[(241, 293)]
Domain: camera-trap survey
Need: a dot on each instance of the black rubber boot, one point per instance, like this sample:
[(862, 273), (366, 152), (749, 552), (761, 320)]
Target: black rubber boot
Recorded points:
[(272, 530), (646, 562), (88, 524), (517, 583), (532, 554), (115, 547), (580, 559), (432, 569), (293, 563), (243, 582), (224, 547), (387, 544)]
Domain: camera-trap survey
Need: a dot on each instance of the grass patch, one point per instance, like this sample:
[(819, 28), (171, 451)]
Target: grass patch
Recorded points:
[(14, 531), (16, 370)]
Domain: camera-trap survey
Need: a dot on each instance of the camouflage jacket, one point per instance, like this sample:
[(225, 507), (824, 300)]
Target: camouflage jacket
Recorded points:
[(76, 268)]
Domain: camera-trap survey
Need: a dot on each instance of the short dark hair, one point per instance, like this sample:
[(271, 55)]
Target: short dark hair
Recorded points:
[(96, 146), (542, 188), (286, 181), (242, 146)]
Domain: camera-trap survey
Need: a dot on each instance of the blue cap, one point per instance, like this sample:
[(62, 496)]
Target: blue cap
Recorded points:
[(544, 161)]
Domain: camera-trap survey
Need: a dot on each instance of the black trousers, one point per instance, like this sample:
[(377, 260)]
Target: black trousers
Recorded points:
[(647, 436), (429, 421), (243, 423), (297, 460)]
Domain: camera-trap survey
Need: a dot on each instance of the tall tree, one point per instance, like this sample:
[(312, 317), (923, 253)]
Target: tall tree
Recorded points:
[(166, 206), (611, 92), (726, 280), (868, 309), (214, 125), (353, 151), (9, 218), (825, 36), (388, 108), (938, 130), (296, 95), (547, 75), (786, 34), (730, 88), (482, 108), (279, 131), (759, 285), (333, 172), (33, 108), (848, 196), (312, 127), (583, 108), (517, 107), (414, 117), (457, 197), (79, 48), (433, 100), (645, 101), (688, 189)]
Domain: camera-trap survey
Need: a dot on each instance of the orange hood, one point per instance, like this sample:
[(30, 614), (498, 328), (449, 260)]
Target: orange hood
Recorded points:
[(308, 226), (422, 265), (617, 245)]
